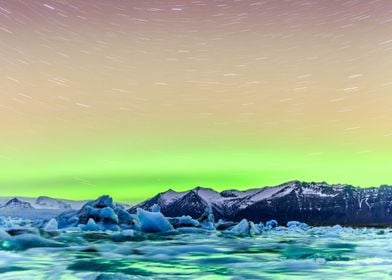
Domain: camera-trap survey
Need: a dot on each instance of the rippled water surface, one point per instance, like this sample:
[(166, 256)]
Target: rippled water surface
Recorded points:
[(318, 253)]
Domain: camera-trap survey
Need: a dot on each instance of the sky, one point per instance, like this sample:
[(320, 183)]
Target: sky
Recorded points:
[(131, 98)]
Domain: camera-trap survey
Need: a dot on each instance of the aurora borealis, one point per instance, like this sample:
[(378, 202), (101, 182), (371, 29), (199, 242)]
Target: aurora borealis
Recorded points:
[(130, 98)]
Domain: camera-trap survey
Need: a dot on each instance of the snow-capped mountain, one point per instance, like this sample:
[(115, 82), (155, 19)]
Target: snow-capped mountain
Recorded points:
[(313, 203), (44, 202), (17, 203), (50, 203)]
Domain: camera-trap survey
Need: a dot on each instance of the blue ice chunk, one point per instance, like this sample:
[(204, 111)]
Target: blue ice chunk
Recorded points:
[(108, 215), (298, 225), (27, 240), (207, 219), (153, 221), (253, 229), (187, 221), (109, 226), (155, 208), (335, 231), (68, 219), (224, 225), (242, 228), (4, 235), (124, 217), (92, 212), (271, 224), (337, 228), (260, 226), (6, 222), (52, 225), (102, 202), (90, 226), (73, 220), (128, 232)]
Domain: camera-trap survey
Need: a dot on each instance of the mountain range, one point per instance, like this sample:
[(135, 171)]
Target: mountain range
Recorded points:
[(312, 203), (41, 202)]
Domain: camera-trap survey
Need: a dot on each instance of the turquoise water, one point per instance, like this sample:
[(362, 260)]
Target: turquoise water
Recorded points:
[(317, 253)]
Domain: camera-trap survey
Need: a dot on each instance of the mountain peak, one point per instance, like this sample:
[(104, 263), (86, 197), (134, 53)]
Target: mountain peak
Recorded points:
[(17, 203)]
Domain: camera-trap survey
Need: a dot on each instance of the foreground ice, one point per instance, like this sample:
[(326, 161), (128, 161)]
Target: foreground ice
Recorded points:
[(153, 221), (103, 241)]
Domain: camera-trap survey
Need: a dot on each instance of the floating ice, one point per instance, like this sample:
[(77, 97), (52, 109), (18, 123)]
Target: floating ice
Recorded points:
[(223, 225), (125, 218), (297, 225), (52, 225), (6, 222), (153, 221), (108, 215), (207, 219), (27, 240), (155, 208), (102, 202), (184, 221), (4, 235), (242, 228), (105, 214), (271, 224), (254, 229), (90, 226)]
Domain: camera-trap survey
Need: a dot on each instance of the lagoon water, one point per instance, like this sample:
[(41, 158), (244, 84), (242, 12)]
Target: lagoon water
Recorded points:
[(282, 253)]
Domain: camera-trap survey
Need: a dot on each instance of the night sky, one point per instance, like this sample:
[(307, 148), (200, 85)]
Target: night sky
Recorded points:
[(130, 98)]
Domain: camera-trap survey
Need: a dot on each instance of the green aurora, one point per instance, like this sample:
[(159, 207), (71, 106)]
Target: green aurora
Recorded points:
[(131, 168)]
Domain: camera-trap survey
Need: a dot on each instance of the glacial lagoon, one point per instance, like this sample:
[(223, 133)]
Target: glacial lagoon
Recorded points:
[(279, 253)]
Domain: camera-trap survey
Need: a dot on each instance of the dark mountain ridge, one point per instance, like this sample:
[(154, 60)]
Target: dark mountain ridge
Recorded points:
[(312, 203)]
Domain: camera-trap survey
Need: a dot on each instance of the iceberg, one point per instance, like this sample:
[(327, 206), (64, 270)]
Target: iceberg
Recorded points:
[(271, 224), (52, 225), (297, 225), (153, 221), (223, 225), (155, 208), (184, 221), (242, 228), (90, 226), (28, 240), (4, 235), (107, 215), (254, 229), (207, 219)]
